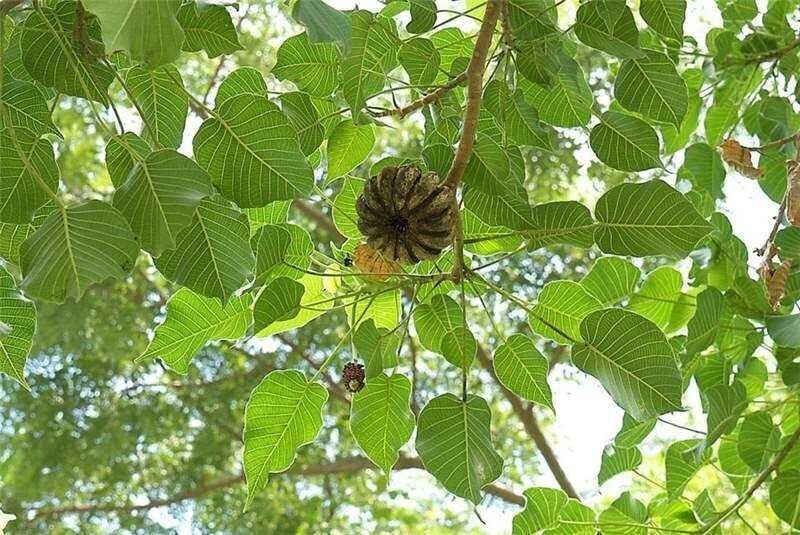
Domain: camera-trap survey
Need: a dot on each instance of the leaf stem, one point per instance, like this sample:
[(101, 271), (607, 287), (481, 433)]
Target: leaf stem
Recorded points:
[(774, 465)]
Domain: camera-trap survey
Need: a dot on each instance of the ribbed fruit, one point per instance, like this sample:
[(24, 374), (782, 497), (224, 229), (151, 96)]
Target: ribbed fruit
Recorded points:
[(405, 215)]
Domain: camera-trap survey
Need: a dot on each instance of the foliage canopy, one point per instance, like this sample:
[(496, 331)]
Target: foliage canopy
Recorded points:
[(665, 310)]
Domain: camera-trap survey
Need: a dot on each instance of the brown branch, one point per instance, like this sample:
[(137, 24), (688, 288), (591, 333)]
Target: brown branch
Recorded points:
[(774, 465), (319, 217), (343, 466), (528, 419), (474, 91), (477, 64), (424, 101), (775, 227), (8, 5)]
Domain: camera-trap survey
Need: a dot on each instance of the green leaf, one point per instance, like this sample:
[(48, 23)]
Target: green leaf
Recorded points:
[(608, 26), (519, 120), (785, 330), (523, 370), (475, 229), (659, 296), (313, 67), (542, 510), (382, 307), (304, 117), (682, 464), (531, 19), (13, 236), (24, 161), (632, 432), (454, 443), (212, 255), (193, 320), (632, 359), (273, 213), (345, 216), (784, 497), (322, 22), (575, 519), (720, 117), (705, 168), (459, 347), (348, 146), (616, 460), (567, 102), (74, 248), (381, 419), (704, 325), (423, 15), (559, 310), (315, 302), (377, 347), (434, 319), (611, 279), (277, 301), (624, 142), (51, 57), (665, 16), (725, 405), (650, 218), (735, 469), (372, 55), (272, 261), (622, 515), (538, 61), (163, 102), (253, 134), (452, 45), (18, 315), (148, 31), (208, 27), (159, 198), (759, 440), (652, 87), (26, 107), (122, 153), (242, 81), (270, 245), (560, 222), (420, 59), (283, 413)]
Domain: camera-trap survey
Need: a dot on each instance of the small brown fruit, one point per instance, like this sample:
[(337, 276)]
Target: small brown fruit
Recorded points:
[(405, 215), (353, 376)]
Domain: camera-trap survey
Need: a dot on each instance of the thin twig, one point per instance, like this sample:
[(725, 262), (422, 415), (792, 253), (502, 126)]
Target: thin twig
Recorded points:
[(774, 465)]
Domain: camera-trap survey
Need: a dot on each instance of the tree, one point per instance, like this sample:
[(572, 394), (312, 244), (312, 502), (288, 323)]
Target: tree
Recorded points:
[(447, 271)]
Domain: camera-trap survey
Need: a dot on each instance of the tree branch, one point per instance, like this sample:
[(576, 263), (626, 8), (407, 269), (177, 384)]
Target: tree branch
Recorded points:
[(424, 101), (8, 5), (319, 217), (343, 466), (474, 74), (477, 64), (776, 462), (528, 419)]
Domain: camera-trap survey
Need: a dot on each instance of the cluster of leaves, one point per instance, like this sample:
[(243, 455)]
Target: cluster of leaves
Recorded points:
[(215, 224)]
